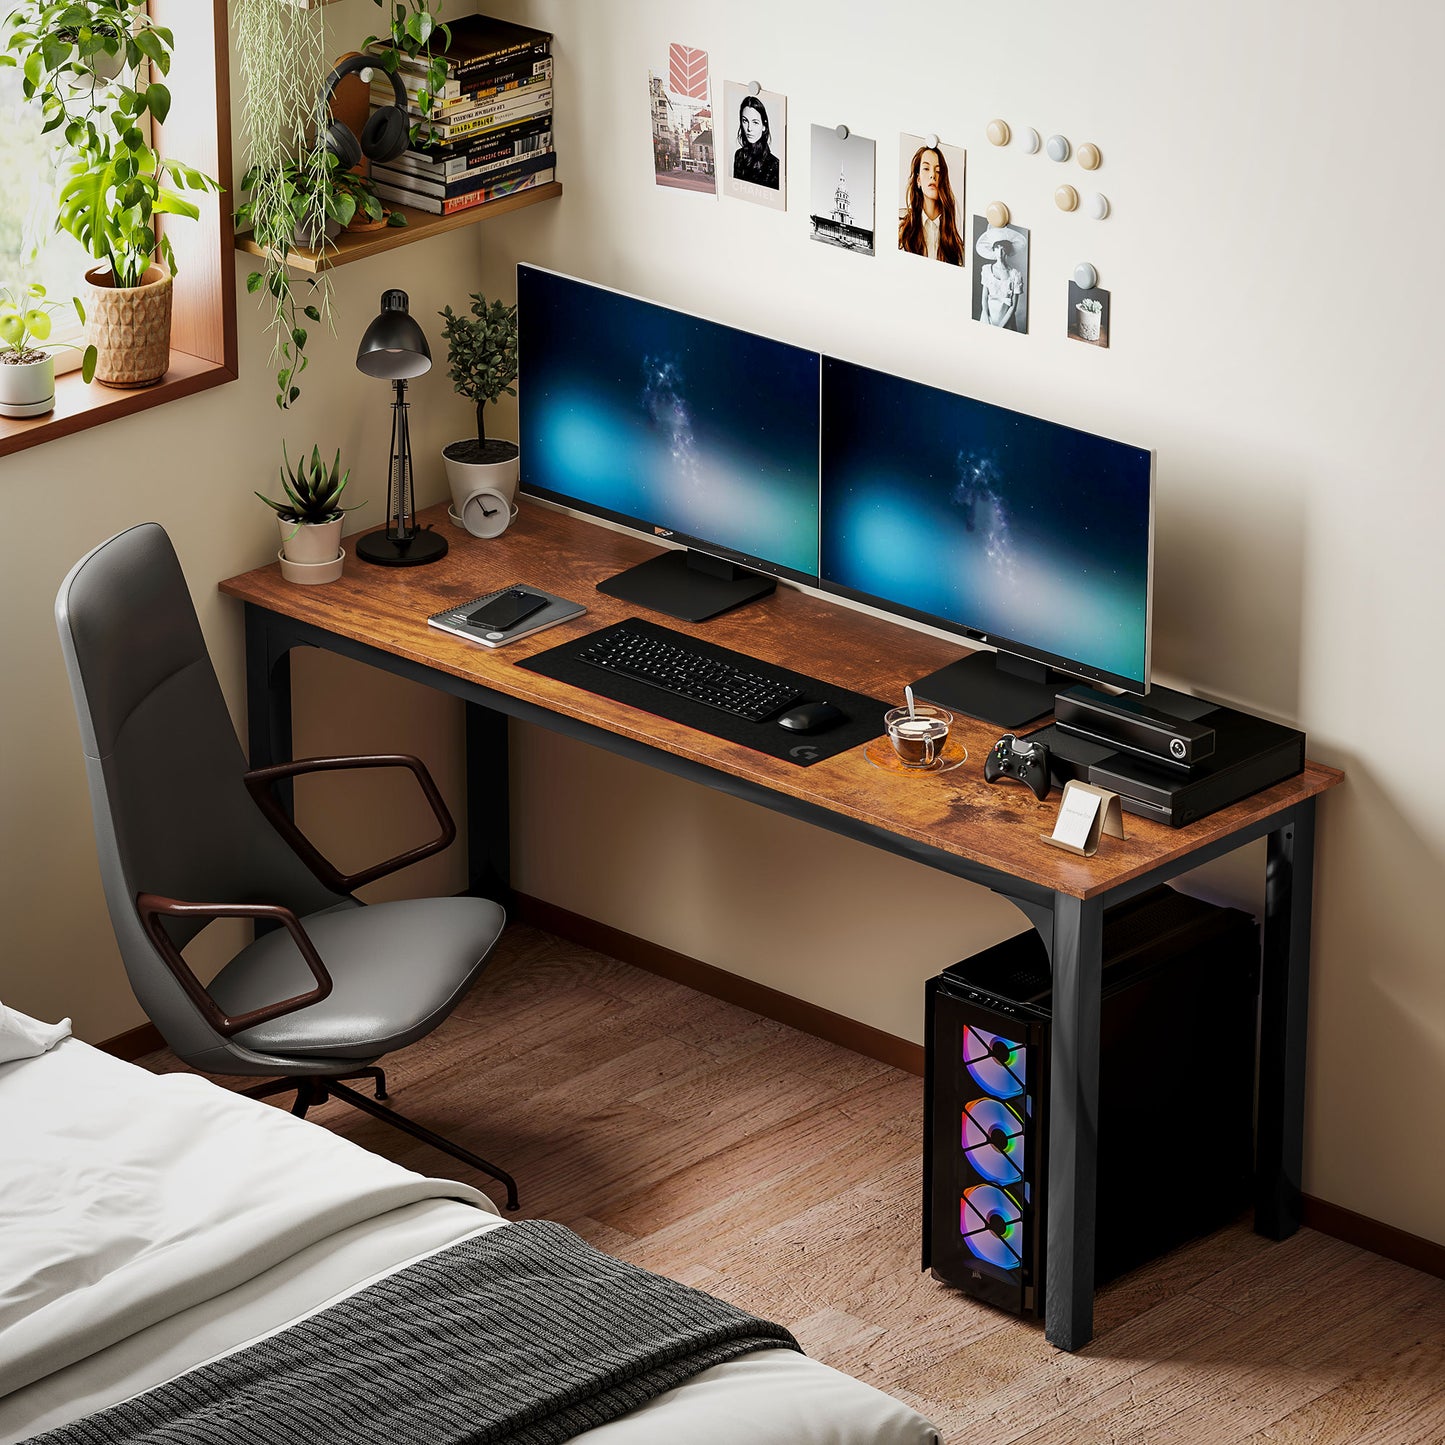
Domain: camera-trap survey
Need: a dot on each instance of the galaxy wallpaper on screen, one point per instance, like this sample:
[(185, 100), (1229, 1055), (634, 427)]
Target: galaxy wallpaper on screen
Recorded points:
[(995, 521), (668, 420)]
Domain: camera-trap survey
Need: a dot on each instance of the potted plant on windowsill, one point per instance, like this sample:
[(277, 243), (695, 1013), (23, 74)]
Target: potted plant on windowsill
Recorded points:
[(482, 352), (27, 355), (117, 185), (310, 518)]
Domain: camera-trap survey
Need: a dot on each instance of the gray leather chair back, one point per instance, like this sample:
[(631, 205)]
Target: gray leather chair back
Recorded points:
[(172, 814)]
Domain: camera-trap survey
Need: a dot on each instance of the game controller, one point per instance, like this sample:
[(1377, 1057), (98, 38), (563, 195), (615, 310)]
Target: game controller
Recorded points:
[(1018, 758)]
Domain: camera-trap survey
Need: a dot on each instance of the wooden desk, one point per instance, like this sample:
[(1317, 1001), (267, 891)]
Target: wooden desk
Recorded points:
[(959, 824)]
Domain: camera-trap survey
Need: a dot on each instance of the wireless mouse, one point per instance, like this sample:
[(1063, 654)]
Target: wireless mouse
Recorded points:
[(812, 717)]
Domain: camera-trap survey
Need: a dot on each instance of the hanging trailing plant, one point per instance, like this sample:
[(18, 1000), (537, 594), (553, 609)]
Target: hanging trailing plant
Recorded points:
[(281, 52)]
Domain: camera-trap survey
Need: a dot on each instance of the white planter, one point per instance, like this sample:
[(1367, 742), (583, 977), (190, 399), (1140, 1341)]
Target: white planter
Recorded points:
[(308, 573), (1089, 323), (497, 470), (310, 542), (27, 388)]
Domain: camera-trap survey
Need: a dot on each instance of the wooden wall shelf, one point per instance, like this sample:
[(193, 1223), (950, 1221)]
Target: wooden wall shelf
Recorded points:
[(357, 245)]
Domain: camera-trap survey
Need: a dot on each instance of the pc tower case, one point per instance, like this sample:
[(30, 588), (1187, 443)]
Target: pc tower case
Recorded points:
[(1176, 1096)]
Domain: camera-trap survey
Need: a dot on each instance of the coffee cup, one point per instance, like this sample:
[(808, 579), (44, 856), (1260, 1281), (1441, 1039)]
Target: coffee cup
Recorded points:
[(918, 737)]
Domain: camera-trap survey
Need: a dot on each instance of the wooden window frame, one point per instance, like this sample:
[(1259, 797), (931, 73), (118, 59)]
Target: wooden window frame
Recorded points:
[(203, 316)]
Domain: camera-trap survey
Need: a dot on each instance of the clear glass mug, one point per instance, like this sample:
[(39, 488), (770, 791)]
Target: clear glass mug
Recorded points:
[(918, 737)]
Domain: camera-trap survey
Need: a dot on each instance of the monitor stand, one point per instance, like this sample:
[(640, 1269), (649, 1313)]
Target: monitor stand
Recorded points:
[(690, 586), (995, 687)]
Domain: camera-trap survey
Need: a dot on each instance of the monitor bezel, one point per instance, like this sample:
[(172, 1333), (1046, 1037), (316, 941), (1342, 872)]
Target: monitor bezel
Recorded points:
[(1073, 666), (656, 530)]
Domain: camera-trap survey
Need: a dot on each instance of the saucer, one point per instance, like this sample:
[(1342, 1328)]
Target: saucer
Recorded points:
[(880, 753)]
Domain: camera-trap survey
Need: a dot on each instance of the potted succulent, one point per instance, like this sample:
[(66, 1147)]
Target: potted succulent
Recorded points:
[(27, 355), (311, 517), (117, 186), (482, 352), (1091, 314)]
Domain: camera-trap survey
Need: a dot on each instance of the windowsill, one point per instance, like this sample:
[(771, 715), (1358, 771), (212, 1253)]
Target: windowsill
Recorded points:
[(79, 406)]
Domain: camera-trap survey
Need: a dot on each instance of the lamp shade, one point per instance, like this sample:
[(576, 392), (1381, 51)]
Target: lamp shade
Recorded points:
[(394, 347)]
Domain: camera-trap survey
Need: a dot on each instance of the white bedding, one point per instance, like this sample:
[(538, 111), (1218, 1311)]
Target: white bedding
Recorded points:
[(150, 1223)]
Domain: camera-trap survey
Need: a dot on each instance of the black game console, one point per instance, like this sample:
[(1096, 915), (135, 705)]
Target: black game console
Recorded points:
[(1249, 754), (1163, 729)]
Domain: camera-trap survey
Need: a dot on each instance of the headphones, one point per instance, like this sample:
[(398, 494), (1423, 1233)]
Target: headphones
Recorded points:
[(387, 131)]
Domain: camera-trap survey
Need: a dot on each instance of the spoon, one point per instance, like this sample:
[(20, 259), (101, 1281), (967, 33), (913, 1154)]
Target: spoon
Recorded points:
[(908, 698)]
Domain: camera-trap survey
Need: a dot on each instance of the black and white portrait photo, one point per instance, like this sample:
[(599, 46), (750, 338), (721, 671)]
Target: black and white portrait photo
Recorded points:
[(756, 130), (1000, 275)]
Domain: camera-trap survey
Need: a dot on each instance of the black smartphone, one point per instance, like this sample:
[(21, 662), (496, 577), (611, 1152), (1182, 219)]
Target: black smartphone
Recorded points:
[(506, 610)]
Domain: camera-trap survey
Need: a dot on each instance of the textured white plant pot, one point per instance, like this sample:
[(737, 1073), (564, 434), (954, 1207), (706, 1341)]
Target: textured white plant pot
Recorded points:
[(466, 477), (1089, 323), (27, 388)]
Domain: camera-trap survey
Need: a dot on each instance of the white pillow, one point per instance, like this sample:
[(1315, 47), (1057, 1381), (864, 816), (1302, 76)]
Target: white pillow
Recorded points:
[(22, 1037)]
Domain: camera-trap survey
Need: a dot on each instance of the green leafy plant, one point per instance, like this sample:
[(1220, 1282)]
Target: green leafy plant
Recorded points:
[(25, 326), (1089, 303), (117, 184), (313, 490), (352, 195), (482, 352), (418, 34)]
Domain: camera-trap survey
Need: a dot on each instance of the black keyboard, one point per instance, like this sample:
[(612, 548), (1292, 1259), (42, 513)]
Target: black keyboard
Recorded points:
[(692, 674)]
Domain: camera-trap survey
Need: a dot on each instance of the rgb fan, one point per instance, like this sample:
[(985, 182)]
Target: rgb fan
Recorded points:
[(992, 1225), (993, 1140), (995, 1063)]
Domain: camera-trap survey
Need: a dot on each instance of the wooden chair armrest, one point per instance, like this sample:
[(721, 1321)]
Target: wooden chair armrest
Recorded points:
[(259, 780), (152, 907)]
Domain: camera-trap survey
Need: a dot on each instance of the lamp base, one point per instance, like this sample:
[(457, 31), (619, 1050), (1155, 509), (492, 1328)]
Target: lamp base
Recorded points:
[(383, 551)]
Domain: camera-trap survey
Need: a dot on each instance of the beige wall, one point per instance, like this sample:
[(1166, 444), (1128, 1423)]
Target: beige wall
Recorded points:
[(1276, 330)]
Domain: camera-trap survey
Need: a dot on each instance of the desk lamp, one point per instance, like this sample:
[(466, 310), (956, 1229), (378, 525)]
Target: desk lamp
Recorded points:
[(394, 348)]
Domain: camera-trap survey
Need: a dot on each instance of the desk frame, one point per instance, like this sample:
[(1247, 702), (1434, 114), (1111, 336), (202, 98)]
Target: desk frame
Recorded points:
[(1071, 929)]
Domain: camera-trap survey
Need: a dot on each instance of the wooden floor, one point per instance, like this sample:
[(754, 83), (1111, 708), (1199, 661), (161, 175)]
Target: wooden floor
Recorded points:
[(782, 1173)]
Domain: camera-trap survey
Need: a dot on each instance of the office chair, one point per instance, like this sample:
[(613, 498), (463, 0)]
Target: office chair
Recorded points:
[(187, 834)]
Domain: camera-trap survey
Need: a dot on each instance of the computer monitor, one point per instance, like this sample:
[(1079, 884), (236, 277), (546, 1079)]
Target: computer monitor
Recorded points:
[(1032, 537), (692, 431)]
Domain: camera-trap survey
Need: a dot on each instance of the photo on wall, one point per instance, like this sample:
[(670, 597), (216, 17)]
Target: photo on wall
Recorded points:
[(1089, 315), (1000, 275), (754, 129), (841, 189), (930, 200), (683, 155)]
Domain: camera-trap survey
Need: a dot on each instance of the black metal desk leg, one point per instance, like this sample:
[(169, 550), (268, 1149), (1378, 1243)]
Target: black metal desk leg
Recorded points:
[(1073, 1122), (489, 842), (1284, 1007), (268, 698)]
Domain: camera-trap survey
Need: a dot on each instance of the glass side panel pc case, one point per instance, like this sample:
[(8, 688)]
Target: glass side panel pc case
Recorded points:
[(682, 428), (1030, 536)]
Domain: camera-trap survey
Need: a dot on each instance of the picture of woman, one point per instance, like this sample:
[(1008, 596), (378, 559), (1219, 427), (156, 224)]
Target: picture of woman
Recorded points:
[(753, 160), (1000, 290), (928, 217), (759, 145)]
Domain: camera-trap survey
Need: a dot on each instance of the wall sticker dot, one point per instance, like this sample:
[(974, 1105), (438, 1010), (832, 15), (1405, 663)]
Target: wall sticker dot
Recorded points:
[(931, 140), (1057, 147), (1098, 205), (997, 132), (755, 87), (842, 132), (1089, 157), (997, 213), (1066, 198), (1085, 276), (1030, 139)]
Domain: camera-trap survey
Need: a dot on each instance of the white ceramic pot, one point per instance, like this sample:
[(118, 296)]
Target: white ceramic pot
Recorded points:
[(27, 388), (473, 467), (1089, 323), (308, 573), (310, 542)]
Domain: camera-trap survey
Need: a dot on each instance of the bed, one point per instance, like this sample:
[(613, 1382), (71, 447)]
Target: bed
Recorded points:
[(151, 1225)]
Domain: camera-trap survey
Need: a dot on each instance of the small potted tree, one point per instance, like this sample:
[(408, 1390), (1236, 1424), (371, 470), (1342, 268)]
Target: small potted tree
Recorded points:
[(482, 352), (27, 355), (311, 518)]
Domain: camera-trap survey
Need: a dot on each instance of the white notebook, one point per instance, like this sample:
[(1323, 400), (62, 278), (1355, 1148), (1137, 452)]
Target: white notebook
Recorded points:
[(454, 619)]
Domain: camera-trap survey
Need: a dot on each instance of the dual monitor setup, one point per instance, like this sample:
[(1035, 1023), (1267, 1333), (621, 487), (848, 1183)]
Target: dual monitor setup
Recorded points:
[(766, 460)]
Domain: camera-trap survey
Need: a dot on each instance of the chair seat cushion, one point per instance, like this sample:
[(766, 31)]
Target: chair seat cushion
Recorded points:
[(398, 970)]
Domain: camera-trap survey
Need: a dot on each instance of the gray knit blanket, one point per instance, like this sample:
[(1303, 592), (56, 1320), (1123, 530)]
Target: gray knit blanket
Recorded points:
[(524, 1335)]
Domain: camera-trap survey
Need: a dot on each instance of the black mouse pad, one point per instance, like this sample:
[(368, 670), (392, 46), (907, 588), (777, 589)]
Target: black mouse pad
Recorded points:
[(864, 714)]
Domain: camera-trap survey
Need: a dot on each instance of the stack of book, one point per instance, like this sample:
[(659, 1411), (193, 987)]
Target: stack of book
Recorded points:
[(487, 132)]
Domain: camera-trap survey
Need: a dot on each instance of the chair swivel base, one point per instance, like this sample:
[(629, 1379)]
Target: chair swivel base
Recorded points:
[(315, 1089)]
